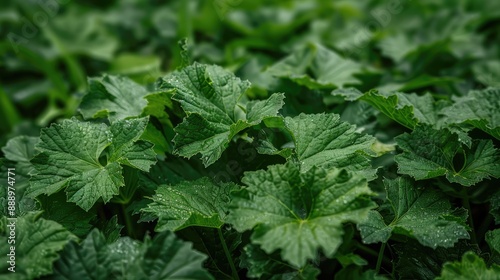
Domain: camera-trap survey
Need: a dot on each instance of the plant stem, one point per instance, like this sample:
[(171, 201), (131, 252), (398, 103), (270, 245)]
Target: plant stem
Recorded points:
[(465, 201), (128, 222), (11, 117), (483, 228), (371, 252), (380, 257), (366, 249), (100, 211), (228, 255)]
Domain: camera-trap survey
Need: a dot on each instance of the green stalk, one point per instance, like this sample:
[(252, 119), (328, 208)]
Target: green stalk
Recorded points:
[(228, 255), (76, 72), (483, 228), (100, 211), (466, 203), (128, 222), (371, 252), (9, 111), (380, 257), (366, 249)]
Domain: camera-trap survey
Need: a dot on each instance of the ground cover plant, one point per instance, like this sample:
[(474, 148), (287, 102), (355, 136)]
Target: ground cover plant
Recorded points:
[(250, 140)]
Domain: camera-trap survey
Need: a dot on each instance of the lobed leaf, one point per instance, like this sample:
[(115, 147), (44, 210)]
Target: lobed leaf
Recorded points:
[(209, 96), (299, 212), (429, 153), (70, 158), (324, 140), (425, 215), (471, 267), (37, 243), (165, 257), (407, 109), (315, 66), (191, 203), (480, 108)]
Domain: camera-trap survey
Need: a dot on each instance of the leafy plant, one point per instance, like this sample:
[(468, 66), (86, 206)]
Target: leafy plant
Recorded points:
[(266, 146)]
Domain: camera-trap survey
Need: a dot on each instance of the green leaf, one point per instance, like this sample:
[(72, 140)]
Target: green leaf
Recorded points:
[(493, 240), (18, 152), (487, 71), (480, 108), (86, 260), (86, 35), (471, 267), (429, 153), (324, 140), (70, 158), (315, 66), (157, 102), (209, 241), (209, 95), (356, 272), (374, 229), (263, 266), (407, 109), (299, 212), (127, 149), (423, 263), (110, 228), (138, 67), (424, 214), (191, 203), (349, 94), (37, 243), (119, 98), (166, 257), (20, 149), (162, 143), (114, 97), (67, 214), (495, 207), (266, 147), (396, 47)]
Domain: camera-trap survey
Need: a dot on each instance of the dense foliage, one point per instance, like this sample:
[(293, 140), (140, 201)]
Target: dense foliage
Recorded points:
[(233, 139)]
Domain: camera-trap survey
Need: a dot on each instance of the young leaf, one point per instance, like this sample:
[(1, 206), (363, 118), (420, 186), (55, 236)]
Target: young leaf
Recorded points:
[(209, 96), (324, 140), (316, 67), (36, 245), (479, 108), (191, 203), (471, 267), (429, 153), (70, 155), (422, 214), (299, 212)]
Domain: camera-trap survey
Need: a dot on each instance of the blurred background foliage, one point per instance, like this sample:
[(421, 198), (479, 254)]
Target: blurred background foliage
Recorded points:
[(48, 49)]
